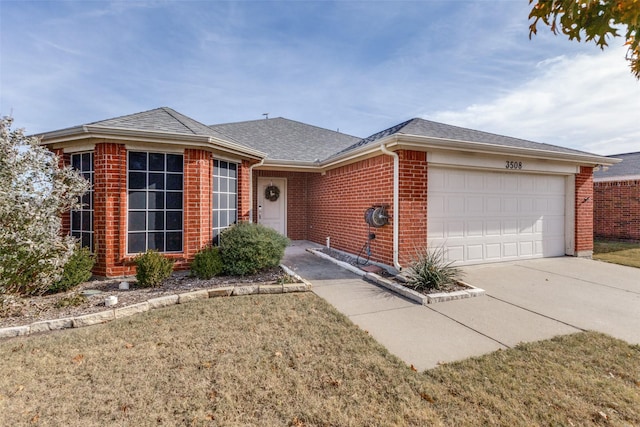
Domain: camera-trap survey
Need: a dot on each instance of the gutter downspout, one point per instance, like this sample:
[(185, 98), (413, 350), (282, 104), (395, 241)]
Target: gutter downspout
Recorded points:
[(251, 187), (396, 204)]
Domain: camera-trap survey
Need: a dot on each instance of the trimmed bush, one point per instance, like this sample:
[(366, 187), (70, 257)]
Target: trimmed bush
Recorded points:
[(249, 248), (430, 271), (152, 268), (207, 263), (76, 270)]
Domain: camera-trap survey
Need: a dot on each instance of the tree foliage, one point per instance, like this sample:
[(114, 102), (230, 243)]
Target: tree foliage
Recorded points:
[(34, 193), (595, 20)]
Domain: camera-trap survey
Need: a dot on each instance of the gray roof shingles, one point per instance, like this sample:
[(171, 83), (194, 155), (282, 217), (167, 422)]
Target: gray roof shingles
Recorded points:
[(421, 127), (284, 139), (161, 119), (629, 166)]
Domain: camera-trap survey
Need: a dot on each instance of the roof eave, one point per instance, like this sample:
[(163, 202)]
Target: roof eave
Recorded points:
[(149, 136)]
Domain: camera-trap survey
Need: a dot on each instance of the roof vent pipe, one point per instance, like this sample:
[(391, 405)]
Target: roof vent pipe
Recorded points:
[(260, 163), (396, 203)]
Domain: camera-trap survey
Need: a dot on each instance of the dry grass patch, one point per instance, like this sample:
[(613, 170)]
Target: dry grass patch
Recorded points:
[(623, 253), (274, 360)]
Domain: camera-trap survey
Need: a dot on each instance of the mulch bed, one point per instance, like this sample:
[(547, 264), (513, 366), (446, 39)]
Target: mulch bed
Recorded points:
[(15, 311)]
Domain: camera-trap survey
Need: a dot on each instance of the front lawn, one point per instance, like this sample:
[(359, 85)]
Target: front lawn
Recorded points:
[(278, 360), (624, 253)]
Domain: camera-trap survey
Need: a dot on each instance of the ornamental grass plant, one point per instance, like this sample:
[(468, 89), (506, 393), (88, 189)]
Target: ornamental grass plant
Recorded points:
[(429, 270)]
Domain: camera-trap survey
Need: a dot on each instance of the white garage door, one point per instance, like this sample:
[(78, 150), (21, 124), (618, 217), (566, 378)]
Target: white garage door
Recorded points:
[(480, 216)]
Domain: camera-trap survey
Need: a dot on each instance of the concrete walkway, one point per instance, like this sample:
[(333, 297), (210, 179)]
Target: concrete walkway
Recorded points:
[(525, 301)]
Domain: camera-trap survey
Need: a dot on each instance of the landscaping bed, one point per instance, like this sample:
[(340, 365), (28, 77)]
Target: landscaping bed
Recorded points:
[(396, 282), (89, 297)]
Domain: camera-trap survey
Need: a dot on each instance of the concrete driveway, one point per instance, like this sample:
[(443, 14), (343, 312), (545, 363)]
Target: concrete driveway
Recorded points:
[(525, 301)]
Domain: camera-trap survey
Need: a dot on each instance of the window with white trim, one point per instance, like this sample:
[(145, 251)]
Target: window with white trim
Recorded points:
[(225, 196), (82, 219), (155, 202)]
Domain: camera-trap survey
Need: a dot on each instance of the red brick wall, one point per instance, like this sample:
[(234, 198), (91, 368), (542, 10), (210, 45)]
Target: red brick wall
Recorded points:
[(413, 203), (616, 210), (337, 202), (297, 201), (109, 217), (198, 173), (584, 211), (64, 160), (244, 206)]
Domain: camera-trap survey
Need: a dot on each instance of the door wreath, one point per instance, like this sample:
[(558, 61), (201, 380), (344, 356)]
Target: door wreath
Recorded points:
[(272, 193)]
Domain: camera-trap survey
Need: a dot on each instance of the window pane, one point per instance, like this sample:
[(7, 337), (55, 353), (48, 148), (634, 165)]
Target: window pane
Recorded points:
[(75, 161), (87, 176), (75, 220), (224, 219), (156, 161), (174, 200), (136, 243), (216, 219), (174, 181), (224, 187), (86, 240), (86, 200), (156, 181), (137, 180), (233, 198), (137, 200), (137, 161), (174, 220), (233, 170), (137, 221), (174, 163), (233, 216), (86, 162), (174, 242), (233, 185), (156, 220), (156, 200), (156, 241), (224, 198), (86, 221)]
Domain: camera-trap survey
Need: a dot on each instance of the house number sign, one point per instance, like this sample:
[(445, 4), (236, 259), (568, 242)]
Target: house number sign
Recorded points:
[(513, 164)]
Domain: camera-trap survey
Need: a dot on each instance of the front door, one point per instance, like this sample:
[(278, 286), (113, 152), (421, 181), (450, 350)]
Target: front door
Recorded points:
[(272, 203)]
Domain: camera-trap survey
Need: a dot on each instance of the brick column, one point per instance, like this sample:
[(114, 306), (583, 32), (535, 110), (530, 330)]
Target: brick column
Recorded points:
[(198, 176), (109, 214), (244, 204), (584, 213), (413, 204)]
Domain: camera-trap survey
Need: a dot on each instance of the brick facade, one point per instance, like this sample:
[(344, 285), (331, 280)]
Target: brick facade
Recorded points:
[(339, 199), (584, 212), (616, 210), (413, 203)]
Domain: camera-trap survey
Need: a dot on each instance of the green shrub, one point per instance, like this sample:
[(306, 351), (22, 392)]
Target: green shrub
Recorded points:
[(76, 270), (430, 271), (152, 268), (207, 263), (248, 248)]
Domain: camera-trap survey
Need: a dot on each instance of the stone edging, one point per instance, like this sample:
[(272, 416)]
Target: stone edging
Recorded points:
[(154, 303), (472, 291)]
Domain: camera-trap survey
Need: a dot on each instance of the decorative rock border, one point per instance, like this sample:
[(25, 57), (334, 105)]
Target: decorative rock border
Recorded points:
[(155, 303), (423, 299)]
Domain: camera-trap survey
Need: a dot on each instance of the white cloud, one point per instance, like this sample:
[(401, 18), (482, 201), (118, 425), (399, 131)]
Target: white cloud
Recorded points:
[(588, 102)]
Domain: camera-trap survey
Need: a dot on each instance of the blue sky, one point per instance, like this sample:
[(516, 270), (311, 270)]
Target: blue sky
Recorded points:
[(359, 67)]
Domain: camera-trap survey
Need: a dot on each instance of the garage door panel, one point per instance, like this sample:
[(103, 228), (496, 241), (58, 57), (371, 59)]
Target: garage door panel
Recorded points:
[(494, 216)]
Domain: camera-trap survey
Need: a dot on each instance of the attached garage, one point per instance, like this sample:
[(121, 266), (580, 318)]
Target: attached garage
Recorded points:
[(488, 216)]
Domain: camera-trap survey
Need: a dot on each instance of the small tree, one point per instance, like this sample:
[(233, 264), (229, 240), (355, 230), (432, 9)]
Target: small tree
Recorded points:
[(34, 193), (594, 19)]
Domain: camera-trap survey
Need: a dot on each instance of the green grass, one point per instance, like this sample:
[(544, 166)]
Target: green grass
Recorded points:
[(623, 253), (278, 360)]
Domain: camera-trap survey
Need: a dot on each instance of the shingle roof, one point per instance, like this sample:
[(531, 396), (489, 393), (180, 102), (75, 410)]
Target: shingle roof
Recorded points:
[(628, 167), (421, 127), (163, 119), (284, 139)]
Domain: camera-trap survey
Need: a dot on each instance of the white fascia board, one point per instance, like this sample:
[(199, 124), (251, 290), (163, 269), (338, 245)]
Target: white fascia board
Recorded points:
[(148, 136), (289, 165), (617, 178), (421, 143)]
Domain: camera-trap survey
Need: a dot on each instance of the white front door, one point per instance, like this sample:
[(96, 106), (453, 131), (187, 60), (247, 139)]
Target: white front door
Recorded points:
[(273, 213)]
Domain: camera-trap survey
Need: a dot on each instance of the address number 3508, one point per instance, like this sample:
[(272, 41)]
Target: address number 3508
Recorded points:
[(512, 165)]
